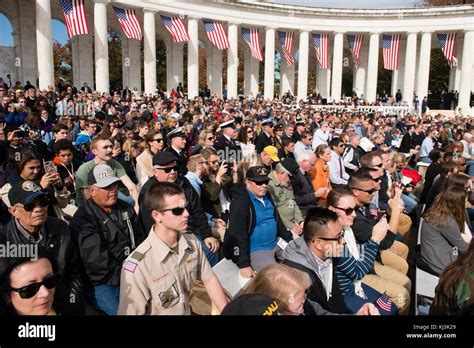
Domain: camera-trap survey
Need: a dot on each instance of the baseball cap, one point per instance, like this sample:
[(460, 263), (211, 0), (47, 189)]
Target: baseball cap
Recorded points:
[(102, 175), (257, 173), (252, 304), (24, 193), (272, 151), (163, 158)]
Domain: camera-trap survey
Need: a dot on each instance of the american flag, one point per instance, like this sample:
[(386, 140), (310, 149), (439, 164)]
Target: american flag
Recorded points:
[(321, 46), (216, 34), (176, 28), (286, 43), (384, 302), (129, 23), (75, 17), (252, 38), (390, 50), (355, 44), (447, 43)]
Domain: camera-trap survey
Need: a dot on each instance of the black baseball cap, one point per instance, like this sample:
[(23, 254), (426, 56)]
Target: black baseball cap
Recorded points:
[(252, 304), (24, 193), (163, 158), (257, 174)]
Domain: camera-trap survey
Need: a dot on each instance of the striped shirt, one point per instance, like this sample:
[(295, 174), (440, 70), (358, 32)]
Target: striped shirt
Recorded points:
[(348, 269)]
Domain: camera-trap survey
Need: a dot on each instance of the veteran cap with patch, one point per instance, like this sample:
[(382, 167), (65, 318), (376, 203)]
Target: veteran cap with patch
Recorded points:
[(24, 193)]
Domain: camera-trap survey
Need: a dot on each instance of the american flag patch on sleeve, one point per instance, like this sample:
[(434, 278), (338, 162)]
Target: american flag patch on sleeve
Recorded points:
[(130, 266)]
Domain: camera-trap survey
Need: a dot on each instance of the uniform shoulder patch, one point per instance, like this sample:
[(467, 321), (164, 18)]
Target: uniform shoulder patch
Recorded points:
[(137, 255), (130, 266)]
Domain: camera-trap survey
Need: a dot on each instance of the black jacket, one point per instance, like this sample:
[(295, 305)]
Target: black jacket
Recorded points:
[(227, 149), (197, 218), (317, 292), (181, 159), (407, 143), (57, 239), (431, 172), (362, 228), (104, 240), (242, 220), (262, 141), (304, 191)]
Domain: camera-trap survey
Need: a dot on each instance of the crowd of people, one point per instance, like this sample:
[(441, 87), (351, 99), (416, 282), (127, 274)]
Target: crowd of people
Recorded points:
[(123, 203)]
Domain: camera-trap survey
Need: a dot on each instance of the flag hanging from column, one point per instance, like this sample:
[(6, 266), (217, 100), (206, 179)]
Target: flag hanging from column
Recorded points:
[(75, 17), (320, 42), (176, 28), (286, 43), (447, 43), (390, 50), (216, 34), (252, 38), (355, 44), (129, 22)]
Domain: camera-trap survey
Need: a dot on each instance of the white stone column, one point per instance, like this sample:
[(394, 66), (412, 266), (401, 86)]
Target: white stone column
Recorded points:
[(303, 65), (269, 85), (466, 71), (337, 67), (458, 48), (323, 81), (132, 65), (247, 84), (216, 69), (254, 68), (232, 61), (287, 77), (372, 70), (398, 75), (424, 66), (149, 50), (193, 58), (44, 44), (101, 45), (361, 73), (174, 64), (82, 57), (410, 68)]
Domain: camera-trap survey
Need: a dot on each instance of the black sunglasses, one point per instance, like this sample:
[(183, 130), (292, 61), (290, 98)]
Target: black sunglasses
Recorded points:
[(338, 238), (210, 138), (348, 211), (380, 165), (260, 183), (250, 131), (169, 169), (31, 290), (42, 202), (159, 140), (367, 191), (178, 211), (271, 125)]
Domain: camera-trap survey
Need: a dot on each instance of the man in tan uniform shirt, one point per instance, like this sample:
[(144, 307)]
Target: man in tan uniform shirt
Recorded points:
[(158, 276)]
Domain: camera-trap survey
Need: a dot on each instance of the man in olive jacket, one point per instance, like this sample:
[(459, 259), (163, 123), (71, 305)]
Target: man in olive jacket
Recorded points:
[(282, 193)]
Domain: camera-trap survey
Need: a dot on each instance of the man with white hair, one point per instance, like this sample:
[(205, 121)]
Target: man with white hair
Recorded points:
[(351, 155), (467, 141), (322, 135), (305, 195)]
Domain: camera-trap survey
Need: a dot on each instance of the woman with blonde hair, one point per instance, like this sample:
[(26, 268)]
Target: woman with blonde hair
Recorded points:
[(444, 232), (286, 285)]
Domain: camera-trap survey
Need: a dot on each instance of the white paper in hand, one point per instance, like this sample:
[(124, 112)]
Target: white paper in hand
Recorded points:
[(366, 144)]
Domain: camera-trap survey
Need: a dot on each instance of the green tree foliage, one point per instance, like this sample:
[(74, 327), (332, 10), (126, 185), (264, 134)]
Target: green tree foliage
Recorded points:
[(115, 60), (62, 59)]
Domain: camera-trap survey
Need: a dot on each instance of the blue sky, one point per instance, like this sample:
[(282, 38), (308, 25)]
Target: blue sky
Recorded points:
[(60, 34)]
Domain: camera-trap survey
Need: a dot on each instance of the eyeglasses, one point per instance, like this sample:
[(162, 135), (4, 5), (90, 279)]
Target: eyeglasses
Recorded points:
[(338, 238), (31, 290), (250, 131), (271, 125), (169, 169), (348, 211), (260, 183), (177, 211), (376, 179), (42, 202), (380, 165), (210, 138), (158, 140), (367, 191)]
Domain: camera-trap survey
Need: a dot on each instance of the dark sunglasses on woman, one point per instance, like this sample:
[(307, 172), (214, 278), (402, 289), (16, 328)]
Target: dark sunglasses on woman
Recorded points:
[(32, 289)]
